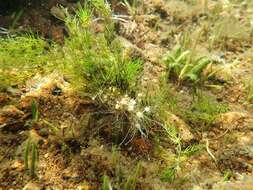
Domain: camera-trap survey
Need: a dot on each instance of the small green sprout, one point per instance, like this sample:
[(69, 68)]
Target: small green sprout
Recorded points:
[(35, 112), (227, 175), (106, 183), (250, 93), (26, 154), (30, 147), (51, 127), (33, 160), (193, 149), (168, 174)]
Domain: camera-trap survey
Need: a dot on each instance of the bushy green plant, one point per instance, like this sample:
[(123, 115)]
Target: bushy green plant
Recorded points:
[(20, 58), (92, 62), (89, 56), (176, 59), (109, 78), (183, 67)]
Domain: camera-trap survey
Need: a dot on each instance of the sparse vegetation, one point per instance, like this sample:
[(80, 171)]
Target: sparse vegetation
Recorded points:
[(129, 184), (204, 110), (229, 29)]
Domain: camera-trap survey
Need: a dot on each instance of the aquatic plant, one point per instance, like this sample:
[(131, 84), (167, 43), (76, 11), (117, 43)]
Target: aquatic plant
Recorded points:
[(129, 184), (183, 67), (35, 112), (30, 161), (204, 110), (20, 58)]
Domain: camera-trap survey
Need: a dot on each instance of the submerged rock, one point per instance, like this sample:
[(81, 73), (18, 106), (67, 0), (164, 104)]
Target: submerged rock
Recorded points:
[(52, 84), (246, 183), (9, 112), (3, 99), (129, 50), (231, 120), (34, 136), (11, 117), (31, 186), (183, 129), (17, 165), (68, 174)]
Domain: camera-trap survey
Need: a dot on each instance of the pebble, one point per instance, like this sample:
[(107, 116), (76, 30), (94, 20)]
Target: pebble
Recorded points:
[(31, 186)]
